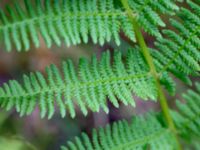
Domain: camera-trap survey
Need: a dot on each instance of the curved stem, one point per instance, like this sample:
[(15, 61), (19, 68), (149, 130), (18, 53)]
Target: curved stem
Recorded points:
[(149, 59)]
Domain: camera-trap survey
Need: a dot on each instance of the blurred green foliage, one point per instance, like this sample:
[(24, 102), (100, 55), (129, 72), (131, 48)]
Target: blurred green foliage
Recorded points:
[(15, 143)]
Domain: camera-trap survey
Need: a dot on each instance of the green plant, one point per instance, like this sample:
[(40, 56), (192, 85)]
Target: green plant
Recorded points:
[(144, 72)]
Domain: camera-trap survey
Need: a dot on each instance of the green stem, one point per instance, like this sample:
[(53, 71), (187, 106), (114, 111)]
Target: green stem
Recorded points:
[(149, 59)]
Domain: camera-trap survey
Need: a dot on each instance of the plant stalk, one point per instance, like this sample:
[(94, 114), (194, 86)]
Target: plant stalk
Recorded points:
[(149, 59)]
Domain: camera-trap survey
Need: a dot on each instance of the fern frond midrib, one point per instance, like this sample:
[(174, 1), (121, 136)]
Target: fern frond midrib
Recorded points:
[(69, 15), (81, 85), (155, 135), (168, 64)]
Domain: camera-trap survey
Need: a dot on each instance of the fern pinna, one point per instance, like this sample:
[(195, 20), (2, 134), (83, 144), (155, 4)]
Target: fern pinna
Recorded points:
[(75, 21), (89, 86), (122, 135), (181, 51), (141, 71)]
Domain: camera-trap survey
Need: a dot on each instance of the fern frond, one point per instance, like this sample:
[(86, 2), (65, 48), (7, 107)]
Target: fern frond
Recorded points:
[(141, 133), (179, 52), (147, 13), (88, 87), (74, 21), (188, 117)]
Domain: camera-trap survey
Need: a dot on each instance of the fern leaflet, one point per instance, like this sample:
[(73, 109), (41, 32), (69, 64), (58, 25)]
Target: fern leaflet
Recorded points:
[(141, 133), (89, 87), (147, 15), (180, 52), (76, 20)]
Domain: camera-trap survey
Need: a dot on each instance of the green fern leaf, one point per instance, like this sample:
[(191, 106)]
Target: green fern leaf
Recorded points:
[(75, 21), (88, 87), (141, 133), (188, 119), (147, 15), (179, 53)]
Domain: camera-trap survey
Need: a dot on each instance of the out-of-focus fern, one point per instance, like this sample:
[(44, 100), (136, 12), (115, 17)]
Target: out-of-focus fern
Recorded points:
[(89, 87), (76, 20), (141, 133), (188, 117), (179, 52)]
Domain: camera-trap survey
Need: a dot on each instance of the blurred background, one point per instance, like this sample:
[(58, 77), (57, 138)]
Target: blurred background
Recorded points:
[(16, 133)]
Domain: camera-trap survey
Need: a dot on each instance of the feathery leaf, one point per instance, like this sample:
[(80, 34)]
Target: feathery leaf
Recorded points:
[(75, 21), (179, 52), (89, 87), (141, 133)]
